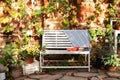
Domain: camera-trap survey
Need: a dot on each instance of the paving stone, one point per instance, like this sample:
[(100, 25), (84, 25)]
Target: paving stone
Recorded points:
[(111, 79), (69, 73), (94, 78), (83, 70), (52, 77), (72, 78), (113, 74), (102, 76), (93, 70), (39, 76), (101, 71), (85, 74), (73, 75), (119, 78), (64, 71), (21, 78), (29, 79)]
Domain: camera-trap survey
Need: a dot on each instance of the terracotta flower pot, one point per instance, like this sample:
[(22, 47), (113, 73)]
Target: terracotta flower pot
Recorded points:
[(112, 69), (118, 15), (17, 71), (29, 60), (118, 27)]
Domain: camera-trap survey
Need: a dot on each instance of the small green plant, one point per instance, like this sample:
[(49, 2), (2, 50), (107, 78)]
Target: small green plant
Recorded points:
[(112, 10), (118, 22), (112, 60), (94, 33), (38, 29), (65, 24)]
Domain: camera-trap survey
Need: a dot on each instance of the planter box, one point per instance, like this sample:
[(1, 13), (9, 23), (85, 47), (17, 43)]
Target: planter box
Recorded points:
[(17, 72), (30, 68), (2, 76)]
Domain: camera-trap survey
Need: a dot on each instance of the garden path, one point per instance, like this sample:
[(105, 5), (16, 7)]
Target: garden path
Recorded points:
[(76, 74)]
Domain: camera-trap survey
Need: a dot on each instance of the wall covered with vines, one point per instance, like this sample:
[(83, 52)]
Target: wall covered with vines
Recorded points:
[(24, 20)]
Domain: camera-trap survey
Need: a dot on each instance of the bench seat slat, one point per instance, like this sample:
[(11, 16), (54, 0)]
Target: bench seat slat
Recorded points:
[(65, 52), (65, 67), (52, 47)]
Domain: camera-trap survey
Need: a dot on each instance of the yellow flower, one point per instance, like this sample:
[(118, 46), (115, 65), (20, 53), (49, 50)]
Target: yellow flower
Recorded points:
[(31, 49)]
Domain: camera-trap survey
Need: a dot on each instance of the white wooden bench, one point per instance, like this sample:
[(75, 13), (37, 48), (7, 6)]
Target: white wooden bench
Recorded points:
[(57, 42)]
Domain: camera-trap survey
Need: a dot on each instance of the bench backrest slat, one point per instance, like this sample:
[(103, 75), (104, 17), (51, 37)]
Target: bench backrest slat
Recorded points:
[(55, 39), (59, 39)]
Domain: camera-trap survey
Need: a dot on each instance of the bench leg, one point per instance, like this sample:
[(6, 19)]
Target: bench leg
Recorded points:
[(40, 62), (86, 57), (89, 62), (41, 70)]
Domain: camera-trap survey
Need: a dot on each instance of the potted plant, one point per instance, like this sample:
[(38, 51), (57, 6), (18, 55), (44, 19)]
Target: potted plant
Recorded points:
[(29, 52), (112, 62), (117, 24), (10, 58)]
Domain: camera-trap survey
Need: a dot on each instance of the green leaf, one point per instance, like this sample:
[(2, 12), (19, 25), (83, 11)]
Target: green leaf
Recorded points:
[(14, 14), (39, 12), (5, 19), (8, 29)]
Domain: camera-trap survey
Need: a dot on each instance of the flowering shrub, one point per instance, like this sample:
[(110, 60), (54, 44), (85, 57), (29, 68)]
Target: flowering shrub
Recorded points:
[(30, 51), (9, 55)]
